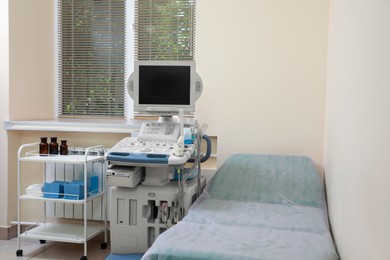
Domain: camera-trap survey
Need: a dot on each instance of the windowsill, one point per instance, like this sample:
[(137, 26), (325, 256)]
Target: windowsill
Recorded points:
[(75, 125)]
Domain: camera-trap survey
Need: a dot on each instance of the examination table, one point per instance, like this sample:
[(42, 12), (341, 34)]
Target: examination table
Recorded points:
[(255, 207)]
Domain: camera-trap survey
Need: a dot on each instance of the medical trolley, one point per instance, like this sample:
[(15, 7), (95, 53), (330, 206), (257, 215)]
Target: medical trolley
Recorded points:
[(82, 190)]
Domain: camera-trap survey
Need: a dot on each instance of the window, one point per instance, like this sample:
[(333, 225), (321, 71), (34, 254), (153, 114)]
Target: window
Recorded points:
[(164, 29), (92, 49), (91, 58)]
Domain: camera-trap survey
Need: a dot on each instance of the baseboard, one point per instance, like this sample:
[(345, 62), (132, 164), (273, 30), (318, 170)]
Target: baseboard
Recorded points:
[(8, 233)]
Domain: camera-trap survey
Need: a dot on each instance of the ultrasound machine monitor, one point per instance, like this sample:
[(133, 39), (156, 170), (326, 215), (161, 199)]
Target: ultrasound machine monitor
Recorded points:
[(161, 87)]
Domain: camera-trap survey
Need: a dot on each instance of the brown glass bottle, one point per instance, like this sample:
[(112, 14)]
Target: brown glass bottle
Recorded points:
[(53, 145), (43, 146), (63, 148)]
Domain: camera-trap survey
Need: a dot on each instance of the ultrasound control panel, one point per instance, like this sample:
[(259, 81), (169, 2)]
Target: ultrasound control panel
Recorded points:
[(133, 145), (153, 145)]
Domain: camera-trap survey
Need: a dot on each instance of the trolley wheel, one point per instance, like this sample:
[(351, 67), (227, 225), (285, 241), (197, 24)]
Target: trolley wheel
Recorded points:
[(19, 252), (42, 241), (83, 257), (103, 245)]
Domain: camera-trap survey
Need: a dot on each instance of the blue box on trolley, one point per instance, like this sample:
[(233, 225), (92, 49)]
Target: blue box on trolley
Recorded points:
[(54, 190), (73, 190)]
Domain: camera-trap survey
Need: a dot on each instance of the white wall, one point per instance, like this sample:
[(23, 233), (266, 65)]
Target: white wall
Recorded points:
[(358, 127), (4, 110), (263, 65)]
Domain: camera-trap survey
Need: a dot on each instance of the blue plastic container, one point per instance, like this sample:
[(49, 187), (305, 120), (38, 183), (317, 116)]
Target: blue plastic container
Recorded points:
[(93, 185), (93, 182), (54, 190), (74, 190)]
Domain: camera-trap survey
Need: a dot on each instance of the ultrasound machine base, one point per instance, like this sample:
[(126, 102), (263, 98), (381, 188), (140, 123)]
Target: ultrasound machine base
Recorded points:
[(139, 215)]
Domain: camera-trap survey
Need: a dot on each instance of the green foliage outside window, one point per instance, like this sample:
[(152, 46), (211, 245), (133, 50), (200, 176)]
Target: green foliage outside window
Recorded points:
[(165, 29), (91, 58)]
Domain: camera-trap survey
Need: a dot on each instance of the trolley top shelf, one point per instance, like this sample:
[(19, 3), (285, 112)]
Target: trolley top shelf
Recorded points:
[(91, 154), (74, 159)]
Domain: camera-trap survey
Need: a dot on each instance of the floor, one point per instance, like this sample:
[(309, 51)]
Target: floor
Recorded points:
[(51, 250)]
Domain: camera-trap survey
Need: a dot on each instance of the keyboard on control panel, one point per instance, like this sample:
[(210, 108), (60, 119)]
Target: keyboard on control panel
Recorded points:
[(132, 145)]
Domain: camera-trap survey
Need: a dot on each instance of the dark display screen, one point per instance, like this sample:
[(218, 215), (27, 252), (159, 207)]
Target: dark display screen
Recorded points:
[(164, 85)]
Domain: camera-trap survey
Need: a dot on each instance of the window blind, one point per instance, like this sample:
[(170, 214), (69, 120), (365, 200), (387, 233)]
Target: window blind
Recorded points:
[(164, 29), (91, 56)]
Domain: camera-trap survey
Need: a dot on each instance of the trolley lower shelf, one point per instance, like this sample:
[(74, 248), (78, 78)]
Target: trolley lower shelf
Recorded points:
[(71, 233)]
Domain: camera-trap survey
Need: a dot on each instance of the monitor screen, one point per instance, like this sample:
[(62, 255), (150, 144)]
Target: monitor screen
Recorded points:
[(162, 87)]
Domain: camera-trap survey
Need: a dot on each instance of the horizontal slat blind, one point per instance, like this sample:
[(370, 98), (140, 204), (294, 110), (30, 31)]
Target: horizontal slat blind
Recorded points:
[(165, 29), (91, 38)]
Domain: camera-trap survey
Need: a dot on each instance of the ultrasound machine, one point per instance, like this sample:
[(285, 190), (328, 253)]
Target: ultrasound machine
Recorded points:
[(155, 176)]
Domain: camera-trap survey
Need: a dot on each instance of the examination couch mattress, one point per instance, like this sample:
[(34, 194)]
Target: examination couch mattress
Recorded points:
[(255, 207)]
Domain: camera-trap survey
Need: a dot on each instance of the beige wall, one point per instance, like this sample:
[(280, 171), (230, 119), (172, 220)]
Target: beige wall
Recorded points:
[(4, 110), (32, 60), (263, 65), (26, 80), (358, 126)]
